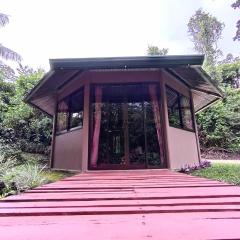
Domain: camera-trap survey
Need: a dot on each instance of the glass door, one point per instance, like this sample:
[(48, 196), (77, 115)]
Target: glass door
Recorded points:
[(125, 127)]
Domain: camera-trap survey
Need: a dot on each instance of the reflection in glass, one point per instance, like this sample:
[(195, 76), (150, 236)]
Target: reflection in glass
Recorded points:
[(128, 135), (62, 115), (186, 112), (173, 108), (76, 110)]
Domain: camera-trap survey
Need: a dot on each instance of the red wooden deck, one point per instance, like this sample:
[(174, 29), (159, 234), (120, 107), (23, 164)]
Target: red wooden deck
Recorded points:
[(140, 204)]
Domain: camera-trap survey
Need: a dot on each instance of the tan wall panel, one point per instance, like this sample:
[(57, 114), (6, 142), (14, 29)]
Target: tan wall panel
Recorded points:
[(68, 150), (182, 148)]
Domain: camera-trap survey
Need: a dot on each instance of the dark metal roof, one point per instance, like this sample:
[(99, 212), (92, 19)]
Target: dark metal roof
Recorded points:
[(186, 68), (126, 62)]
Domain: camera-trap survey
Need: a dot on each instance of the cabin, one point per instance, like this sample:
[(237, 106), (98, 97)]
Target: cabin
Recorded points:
[(124, 112)]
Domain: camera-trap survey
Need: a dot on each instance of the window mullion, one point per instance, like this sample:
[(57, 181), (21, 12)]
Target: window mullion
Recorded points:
[(180, 110), (69, 113)]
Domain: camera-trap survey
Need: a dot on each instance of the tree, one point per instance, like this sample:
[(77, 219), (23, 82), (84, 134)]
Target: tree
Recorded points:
[(5, 52), (156, 51), (229, 72), (219, 125), (236, 5), (205, 31), (7, 91), (32, 129)]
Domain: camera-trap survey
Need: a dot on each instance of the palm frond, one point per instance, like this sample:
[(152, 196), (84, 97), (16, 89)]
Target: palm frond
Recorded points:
[(9, 54), (3, 19)]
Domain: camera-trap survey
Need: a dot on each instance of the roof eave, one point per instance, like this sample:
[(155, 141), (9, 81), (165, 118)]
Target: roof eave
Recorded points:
[(207, 78), (38, 85), (126, 62), (208, 105)]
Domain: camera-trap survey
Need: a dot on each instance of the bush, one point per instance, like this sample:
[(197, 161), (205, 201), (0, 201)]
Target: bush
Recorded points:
[(15, 178), (9, 148), (25, 176), (5, 167), (29, 128), (219, 125)]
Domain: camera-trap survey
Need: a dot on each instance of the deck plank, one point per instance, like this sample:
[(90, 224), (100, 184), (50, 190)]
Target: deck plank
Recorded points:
[(140, 204)]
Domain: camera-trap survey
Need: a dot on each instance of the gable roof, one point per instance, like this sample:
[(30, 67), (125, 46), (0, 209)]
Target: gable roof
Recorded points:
[(186, 68)]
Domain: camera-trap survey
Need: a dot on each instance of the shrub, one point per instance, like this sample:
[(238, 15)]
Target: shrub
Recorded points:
[(8, 144), (5, 166), (16, 178), (25, 176)]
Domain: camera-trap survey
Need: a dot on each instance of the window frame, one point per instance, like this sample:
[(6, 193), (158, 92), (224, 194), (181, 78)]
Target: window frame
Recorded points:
[(181, 125), (69, 101)]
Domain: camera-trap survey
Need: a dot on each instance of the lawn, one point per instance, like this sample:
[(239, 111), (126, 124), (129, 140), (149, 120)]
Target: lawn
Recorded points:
[(225, 172)]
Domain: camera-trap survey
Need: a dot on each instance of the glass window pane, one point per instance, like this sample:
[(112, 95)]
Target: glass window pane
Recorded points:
[(153, 151), (76, 112), (186, 112), (173, 108), (136, 132), (62, 115)]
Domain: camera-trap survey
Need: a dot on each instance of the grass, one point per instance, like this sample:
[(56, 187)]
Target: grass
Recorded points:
[(47, 174), (55, 175), (225, 172), (30, 173), (34, 157)]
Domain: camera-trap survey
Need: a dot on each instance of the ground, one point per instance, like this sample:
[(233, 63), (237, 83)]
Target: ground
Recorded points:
[(140, 204), (226, 171)]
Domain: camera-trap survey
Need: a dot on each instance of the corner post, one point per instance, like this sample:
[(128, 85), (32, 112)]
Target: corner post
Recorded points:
[(164, 118), (195, 126), (86, 115), (51, 164)]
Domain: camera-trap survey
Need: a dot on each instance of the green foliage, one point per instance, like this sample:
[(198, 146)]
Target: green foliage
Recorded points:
[(6, 165), (219, 125), (53, 176), (7, 53), (7, 91), (222, 172), (41, 159), (15, 177), (205, 31), (9, 147), (23, 177), (229, 72), (156, 51), (236, 5), (32, 129)]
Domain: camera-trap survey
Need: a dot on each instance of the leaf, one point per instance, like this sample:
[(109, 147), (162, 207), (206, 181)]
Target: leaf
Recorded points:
[(9, 54), (3, 19)]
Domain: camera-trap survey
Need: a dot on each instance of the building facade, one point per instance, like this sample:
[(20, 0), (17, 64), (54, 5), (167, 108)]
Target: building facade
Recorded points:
[(124, 113)]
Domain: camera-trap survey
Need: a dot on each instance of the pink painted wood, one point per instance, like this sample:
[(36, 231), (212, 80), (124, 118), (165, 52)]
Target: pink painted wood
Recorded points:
[(137, 204), (157, 118), (97, 126)]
